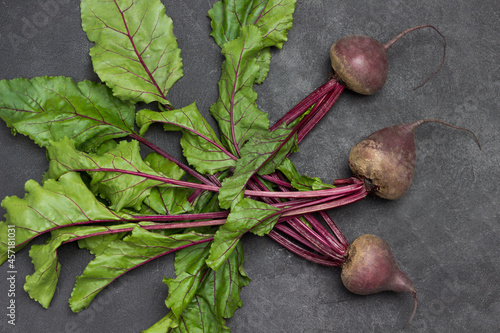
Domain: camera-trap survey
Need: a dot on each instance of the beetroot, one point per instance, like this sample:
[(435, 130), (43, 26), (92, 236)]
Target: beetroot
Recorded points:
[(370, 268), (386, 159), (362, 63)]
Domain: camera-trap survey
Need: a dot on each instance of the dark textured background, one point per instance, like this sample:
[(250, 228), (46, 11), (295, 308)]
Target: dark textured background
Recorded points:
[(444, 231)]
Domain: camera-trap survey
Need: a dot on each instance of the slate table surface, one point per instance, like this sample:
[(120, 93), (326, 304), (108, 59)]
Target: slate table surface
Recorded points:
[(444, 232)]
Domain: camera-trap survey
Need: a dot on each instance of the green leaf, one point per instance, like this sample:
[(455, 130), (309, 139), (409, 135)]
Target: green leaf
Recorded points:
[(301, 182), (98, 243), (260, 155), (104, 147), (41, 285), (135, 52), (197, 291), (164, 166), (236, 110), (197, 317), (190, 270), (273, 17), (167, 200), (119, 188), (64, 202), (247, 215), (245, 30), (165, 324), (222, 288), (200, 144), (264, 62), (51, 108), (207, 202), (120, 257)]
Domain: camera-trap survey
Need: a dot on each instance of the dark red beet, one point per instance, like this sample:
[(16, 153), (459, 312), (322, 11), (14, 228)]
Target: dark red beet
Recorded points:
[(386, 159), (362, 63), (370, 268)]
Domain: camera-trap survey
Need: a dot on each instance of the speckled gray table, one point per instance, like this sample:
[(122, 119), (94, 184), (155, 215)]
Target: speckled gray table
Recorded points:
[(445, 231)]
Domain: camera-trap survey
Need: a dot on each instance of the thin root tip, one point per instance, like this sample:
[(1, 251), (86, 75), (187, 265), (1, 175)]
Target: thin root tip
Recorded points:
[(417, 123), (415, 303)]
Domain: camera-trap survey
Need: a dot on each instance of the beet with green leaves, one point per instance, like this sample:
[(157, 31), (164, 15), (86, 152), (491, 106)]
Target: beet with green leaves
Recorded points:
[(385, 160)]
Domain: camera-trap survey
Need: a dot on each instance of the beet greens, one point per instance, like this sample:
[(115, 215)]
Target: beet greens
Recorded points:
[(129, 208), (111, 199)]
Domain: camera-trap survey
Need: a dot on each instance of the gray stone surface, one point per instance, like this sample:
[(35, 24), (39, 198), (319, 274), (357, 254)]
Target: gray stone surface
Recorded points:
[(444, 231)]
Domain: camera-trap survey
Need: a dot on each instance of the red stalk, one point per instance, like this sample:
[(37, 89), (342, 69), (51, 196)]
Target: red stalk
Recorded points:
[(306, 103), (310, 256), (327, 104)]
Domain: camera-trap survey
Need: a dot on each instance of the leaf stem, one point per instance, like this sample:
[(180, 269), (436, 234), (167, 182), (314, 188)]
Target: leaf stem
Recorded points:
[(277, 181), (181, 217), (314, 238), (326, 105), (294, 235), (322, 242), (327, 205), (184, 167), (333, 192), (306, 194), (333, 227), (151, 227), (306, 103), (170, 181), (310, 256)]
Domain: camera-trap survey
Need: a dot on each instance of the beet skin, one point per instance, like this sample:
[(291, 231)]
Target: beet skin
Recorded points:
[(370, 268), (361, 63)]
